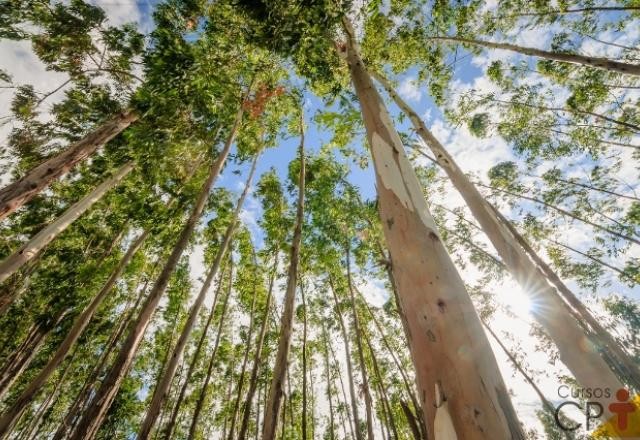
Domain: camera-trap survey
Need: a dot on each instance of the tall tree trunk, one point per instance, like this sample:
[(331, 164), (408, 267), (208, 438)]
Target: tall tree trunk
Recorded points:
[(327, 369), (212, 360), (457, 373), (255, 368), (71, 417), (101, 402), (18, 193), (347, 349), (304, 363), (20, 364), (276, 391), (359, 335), (550, 310), (31, 248), (82, 321), (50, 400), (405, 378), (168, 430), (344, 396), (245, 359), (595, 62), (164, 382), (383, 392)]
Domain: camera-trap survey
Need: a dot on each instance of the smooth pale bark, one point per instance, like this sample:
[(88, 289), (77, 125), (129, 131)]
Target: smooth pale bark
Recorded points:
[(12, 415), (327, 370), (168, 430), (31, 248), (549, 309), (101, 402), (245, 360), (212, 360), (383, 392), (18, 193), (344, 395), (304, 363), (255, 369), (363, 368), (24, 358), (596, 62), (276, 391), (458, 377), (347, 350), (169, 370)]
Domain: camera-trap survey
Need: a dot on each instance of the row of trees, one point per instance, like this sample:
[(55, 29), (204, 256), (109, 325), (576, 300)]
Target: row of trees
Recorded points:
[(105, 332)]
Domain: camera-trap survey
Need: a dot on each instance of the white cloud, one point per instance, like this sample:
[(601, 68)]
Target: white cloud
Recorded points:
[(409, 90)]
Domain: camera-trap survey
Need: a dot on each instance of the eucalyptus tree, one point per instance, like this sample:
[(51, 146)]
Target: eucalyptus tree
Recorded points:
[(275, 223), (169, 370), (277, 390)]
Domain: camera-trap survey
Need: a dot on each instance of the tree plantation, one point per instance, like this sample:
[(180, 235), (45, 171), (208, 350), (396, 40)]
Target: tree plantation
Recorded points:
[(319, 220)]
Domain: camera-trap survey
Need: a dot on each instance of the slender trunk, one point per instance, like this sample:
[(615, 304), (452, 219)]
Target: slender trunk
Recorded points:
[(618, 359), (24, 360), (12, 414), (168, 430), (579, 10), (27, 251), (164, 382), (595, 62), (329, 381), (591, 187), (203, 389), (227, 398), (286, 323), (101, 402), (18, 193), (245, 360), (405, 378), (545, 402), (594, 259), (344, 395), (35, 423), (359, 335), (82, 399), (253, 381), (35, 332), (347, 349), (304, 363), (550, 311), (455, 367), (384, 420), (411, 419), (289, 396), (383, 392), (571, 110)]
